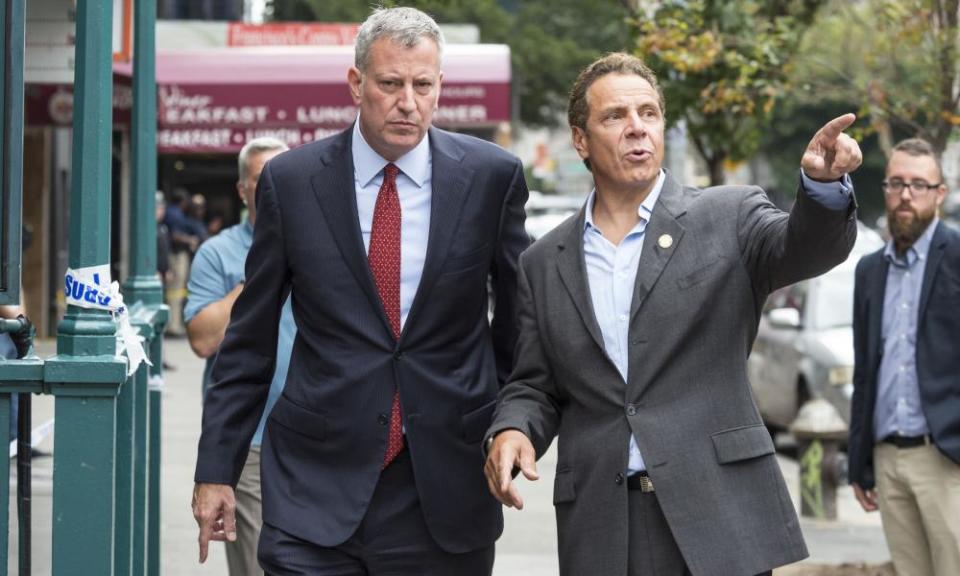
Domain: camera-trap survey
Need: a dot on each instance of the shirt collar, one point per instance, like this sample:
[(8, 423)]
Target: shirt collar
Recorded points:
[(916, 252), (645, 210), (367, 164)]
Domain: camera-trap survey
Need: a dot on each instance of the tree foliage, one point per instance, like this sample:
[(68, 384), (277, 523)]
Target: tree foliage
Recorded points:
[(724, 65), (896, 59), (550, 42)]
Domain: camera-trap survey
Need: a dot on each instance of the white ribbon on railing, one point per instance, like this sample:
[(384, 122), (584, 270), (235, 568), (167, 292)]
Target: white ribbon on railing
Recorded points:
[(91, 288)]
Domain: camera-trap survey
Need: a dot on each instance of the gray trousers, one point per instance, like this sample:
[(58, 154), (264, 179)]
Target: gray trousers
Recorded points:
[(242, 553)]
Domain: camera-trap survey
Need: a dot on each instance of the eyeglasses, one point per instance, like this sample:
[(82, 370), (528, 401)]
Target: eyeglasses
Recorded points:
[(918, 188)]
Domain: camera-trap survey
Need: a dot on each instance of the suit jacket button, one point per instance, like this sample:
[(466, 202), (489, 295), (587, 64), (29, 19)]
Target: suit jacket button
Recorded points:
[(618, 479), (397, 355), (631, 410), (382, 419)]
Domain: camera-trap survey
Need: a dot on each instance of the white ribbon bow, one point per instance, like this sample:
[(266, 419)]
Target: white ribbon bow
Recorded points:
[(91, 288)]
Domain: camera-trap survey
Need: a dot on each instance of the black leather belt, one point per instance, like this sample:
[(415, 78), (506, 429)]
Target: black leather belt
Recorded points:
[(640, 481), (908, 441)]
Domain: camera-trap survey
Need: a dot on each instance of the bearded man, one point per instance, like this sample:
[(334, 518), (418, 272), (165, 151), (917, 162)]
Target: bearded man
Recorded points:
[(905, 418)]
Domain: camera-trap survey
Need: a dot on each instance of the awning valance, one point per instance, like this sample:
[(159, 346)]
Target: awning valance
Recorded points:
[(214, 100)]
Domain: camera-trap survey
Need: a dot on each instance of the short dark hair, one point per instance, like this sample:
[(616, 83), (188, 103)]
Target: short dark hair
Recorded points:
[(578, 110), (918, 147), (179, 196)]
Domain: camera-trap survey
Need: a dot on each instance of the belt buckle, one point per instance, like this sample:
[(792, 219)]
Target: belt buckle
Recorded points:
[(646, 484)]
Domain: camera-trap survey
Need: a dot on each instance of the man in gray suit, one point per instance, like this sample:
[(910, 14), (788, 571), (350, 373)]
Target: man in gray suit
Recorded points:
[(636, 318)]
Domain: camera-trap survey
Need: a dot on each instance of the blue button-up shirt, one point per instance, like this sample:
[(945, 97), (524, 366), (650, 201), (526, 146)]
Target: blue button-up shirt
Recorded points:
[(216, 270), (415, 189), (612, 273), (898, 409)]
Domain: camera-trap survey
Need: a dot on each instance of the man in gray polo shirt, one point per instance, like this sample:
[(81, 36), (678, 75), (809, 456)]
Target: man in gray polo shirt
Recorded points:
[(216, 279)]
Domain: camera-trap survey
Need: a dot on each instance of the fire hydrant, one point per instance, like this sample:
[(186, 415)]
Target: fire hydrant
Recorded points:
[(819, 431)]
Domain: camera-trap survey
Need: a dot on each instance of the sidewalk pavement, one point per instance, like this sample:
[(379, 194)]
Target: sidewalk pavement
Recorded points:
[(528, 544)]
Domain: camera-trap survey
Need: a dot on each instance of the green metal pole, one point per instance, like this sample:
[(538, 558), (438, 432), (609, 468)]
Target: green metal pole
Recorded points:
[(87, 374), (140, 461), (144, 286), (155, 387), (11, 195), (11, 147), (5, 485), (123, 522)]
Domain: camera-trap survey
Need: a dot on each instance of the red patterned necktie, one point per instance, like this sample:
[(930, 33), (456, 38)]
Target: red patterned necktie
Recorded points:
[(384, 257)]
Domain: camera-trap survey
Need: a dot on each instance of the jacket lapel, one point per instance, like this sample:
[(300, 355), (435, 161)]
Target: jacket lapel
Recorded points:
[(934, 255), (573, 273), (877, 291), (655, 255), (336, 192), (450, 183)]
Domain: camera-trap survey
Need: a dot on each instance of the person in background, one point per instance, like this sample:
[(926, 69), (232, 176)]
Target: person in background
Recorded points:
[(183, 243), (215, 223), (163, 241), (14, 345), (904, 446), (197, 218), (163, 255)]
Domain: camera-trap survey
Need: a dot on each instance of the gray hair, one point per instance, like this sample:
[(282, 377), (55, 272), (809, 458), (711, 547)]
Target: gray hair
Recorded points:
[(404, 26), (257, 146)]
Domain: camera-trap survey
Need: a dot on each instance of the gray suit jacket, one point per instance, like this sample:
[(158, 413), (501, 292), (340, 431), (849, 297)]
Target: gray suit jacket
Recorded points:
[(688, 403)]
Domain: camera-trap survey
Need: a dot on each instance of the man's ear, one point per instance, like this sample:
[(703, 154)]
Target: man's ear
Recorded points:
[(355, 80), (580, 142), (436, 103)]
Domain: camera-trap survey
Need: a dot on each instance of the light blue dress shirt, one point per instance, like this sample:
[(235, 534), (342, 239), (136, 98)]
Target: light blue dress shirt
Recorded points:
[(414, 186), (898, 410), (216, 270), (612, 273)]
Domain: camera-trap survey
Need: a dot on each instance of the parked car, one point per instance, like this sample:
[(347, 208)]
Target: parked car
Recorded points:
[(804, 344), (546, 211)]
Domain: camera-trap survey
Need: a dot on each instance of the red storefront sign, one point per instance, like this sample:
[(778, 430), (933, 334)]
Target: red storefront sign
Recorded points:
[(216, 102), (222, 118), (291, 34)]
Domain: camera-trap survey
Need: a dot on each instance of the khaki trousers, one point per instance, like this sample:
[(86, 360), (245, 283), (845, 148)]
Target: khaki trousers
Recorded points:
[(242, 553), (177, 291), (919, 496)]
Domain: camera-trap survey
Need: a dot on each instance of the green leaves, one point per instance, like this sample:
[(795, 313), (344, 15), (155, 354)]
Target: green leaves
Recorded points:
[(724, 66), (896, 58)]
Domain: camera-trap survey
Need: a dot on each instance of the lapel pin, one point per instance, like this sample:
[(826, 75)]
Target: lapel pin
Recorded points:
[(665, 241)]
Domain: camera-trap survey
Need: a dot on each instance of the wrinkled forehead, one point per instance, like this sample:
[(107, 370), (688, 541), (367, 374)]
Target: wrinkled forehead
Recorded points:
[(388, 53), (620, 90)]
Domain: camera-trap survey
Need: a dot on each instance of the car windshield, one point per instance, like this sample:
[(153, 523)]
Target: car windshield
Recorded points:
[(833, 305)]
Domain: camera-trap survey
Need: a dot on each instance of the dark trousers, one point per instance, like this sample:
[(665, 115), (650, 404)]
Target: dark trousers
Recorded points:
[(653, 551), (392, 540)]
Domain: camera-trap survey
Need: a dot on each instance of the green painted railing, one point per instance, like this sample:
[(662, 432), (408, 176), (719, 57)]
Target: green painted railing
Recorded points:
[(107, 449)]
